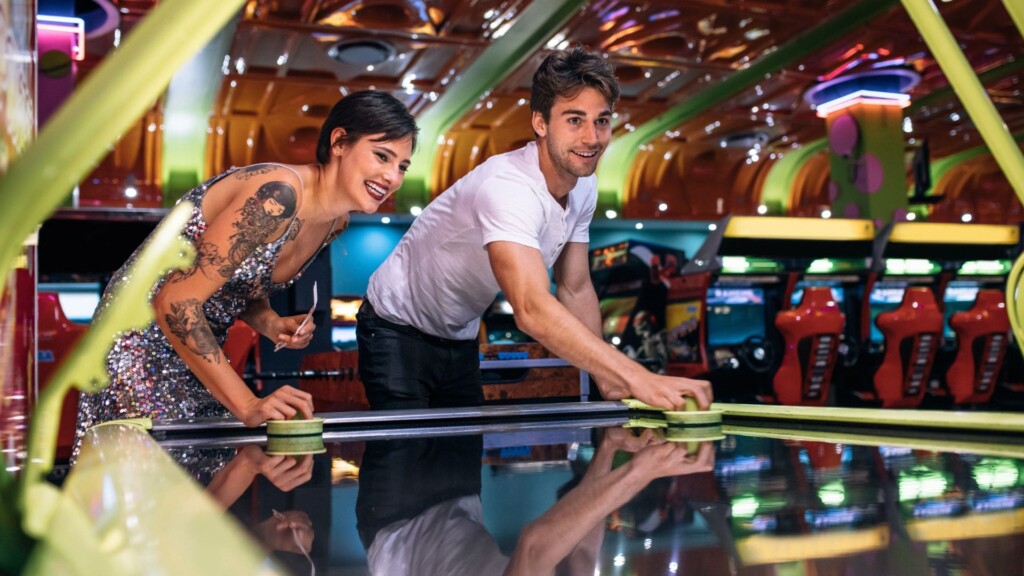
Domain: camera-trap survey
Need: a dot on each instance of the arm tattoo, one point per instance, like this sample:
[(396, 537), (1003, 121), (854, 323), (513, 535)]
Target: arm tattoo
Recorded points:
[(256, 170), (207, 258), (187, 322), (260, 216)]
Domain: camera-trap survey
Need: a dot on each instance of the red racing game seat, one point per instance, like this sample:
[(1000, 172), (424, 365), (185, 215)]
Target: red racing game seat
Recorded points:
[(982, 334), (57, 338), (911, 339), (810, 334)]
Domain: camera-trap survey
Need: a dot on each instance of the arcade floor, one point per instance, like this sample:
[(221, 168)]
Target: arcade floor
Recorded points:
[(590, 490)]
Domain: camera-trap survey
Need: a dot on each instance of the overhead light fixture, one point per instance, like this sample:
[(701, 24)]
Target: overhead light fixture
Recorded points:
[(362, 52)]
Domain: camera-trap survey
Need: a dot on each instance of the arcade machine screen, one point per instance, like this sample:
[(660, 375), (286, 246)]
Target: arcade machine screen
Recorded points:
[(617, 314), (883, 298), (734, 314), (798, 293), (684, 318), (343, 321), (958, 297)]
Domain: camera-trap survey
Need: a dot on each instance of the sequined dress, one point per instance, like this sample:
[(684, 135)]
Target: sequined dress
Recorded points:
[(147, 377)]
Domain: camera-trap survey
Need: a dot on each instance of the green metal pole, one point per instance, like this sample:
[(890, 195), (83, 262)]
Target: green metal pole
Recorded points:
[(969, 89), (778, 184), (106, 104), (614, 167), (1016, 10), (984, 115)]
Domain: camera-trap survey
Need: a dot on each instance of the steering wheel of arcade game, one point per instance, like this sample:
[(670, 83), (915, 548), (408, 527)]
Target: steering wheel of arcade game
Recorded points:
[(849, 351), (758, 353)]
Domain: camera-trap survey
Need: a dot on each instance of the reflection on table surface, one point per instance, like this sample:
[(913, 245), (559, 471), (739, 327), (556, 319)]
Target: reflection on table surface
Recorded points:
[(614, 500)]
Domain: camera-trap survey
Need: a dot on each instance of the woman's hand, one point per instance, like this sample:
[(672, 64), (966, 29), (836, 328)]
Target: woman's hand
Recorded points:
[(283, 404), (289, 332), (284, 472), (288, 531)]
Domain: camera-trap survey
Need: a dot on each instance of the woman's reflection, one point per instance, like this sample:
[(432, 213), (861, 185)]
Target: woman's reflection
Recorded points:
[(279, 525), (419, 509)]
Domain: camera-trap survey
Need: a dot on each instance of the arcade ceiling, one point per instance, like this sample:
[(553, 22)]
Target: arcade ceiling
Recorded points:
[(694, 73)]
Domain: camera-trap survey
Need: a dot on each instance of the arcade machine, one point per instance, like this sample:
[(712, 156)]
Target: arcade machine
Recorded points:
[(631, 279), (764, 309), (936, 320), (799, 500), (343, 321), (947, 501)]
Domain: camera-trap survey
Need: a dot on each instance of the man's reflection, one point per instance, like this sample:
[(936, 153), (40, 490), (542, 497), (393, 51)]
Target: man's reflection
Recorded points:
[(419, 509)]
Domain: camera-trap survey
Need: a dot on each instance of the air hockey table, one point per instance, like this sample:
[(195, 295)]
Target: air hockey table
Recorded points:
[(593, 488)]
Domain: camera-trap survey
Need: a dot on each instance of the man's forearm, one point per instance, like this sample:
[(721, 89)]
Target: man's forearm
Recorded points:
[(584, 306)]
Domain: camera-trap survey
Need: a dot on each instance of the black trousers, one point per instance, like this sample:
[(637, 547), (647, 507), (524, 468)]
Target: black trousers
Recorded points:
[(403, 368)]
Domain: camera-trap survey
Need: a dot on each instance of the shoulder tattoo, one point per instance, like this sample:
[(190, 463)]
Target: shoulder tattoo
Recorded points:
[(255, 170), (259, 217), (207, 260)]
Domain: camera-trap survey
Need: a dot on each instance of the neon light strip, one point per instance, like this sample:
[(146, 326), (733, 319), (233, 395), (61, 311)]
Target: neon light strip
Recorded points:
[(68, 25), (863, 97)]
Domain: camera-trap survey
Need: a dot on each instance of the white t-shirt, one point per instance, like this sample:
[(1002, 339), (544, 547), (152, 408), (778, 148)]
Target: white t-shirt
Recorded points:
[(439, 278), (448, 539)]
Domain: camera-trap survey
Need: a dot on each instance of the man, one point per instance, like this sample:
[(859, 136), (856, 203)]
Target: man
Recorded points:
[(501, 227)]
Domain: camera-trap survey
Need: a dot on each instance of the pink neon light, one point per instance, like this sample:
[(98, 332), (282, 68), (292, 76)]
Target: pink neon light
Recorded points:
[(73, 26)]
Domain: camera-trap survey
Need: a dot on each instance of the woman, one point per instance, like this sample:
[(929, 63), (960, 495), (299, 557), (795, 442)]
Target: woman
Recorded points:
[(255, 230)]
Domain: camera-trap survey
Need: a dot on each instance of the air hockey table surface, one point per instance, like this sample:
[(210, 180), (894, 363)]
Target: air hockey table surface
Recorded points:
[(597, 490)]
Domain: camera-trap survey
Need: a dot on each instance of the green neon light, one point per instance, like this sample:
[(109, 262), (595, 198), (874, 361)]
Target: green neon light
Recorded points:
[(744, 265), (995, 473), (985, 268), (921, 482), (836, 265), (745, 506), (832, 493), (618, 158), (911, 267)]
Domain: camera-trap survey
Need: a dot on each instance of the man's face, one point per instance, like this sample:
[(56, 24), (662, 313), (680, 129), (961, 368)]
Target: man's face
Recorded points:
[(577, 133)]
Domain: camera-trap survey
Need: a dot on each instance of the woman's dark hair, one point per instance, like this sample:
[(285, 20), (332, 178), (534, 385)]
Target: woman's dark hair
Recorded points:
[(364, 113), (565, 72)]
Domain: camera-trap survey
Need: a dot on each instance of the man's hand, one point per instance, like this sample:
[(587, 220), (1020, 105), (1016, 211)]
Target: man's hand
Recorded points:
[(674, 459), (667, 392)]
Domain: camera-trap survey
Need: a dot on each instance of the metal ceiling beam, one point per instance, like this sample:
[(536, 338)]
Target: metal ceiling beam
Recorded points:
[(618, 158), (994, 74), (534, 27)]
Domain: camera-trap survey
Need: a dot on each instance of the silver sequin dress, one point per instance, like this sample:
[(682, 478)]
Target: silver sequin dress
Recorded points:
[(147, 377)]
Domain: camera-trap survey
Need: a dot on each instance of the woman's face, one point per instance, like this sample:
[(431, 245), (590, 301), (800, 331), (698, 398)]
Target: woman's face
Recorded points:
[(371, 170)]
